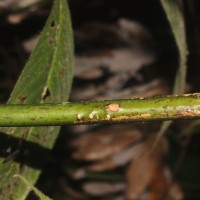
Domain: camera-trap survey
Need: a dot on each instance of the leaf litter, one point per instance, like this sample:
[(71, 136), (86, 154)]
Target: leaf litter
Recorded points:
[(108, 148), (119, 147)]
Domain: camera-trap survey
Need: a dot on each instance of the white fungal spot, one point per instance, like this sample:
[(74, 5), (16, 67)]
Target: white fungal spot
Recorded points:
[(91, 115), (79, 116), (108, 117)]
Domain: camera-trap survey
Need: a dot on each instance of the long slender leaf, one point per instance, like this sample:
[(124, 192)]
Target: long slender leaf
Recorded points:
[(47, 77), (175, 15)]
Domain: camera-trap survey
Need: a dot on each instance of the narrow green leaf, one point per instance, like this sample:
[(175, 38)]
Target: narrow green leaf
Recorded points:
[(175, 15), (47, 77)]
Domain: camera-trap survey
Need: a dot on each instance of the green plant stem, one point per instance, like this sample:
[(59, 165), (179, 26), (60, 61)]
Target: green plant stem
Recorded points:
[(108, 111)]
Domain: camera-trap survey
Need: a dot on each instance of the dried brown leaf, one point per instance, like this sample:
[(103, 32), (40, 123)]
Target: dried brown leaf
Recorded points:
[(116, 60), (30, 43), (16, 18), (162, 187), (156, 87), (160, 184), (175, 192), (71, 191), (103, 165), (116, 160), (142, 170), (139, 176), (17, 4), (102, 188), (104, 143), (123, 48)]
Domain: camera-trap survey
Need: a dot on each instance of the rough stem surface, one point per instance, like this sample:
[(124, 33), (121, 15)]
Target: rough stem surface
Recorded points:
[(108, 111)]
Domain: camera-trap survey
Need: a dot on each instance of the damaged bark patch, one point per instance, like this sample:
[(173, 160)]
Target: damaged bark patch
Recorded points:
[(189, 113), (145, 115), (113, 107)]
